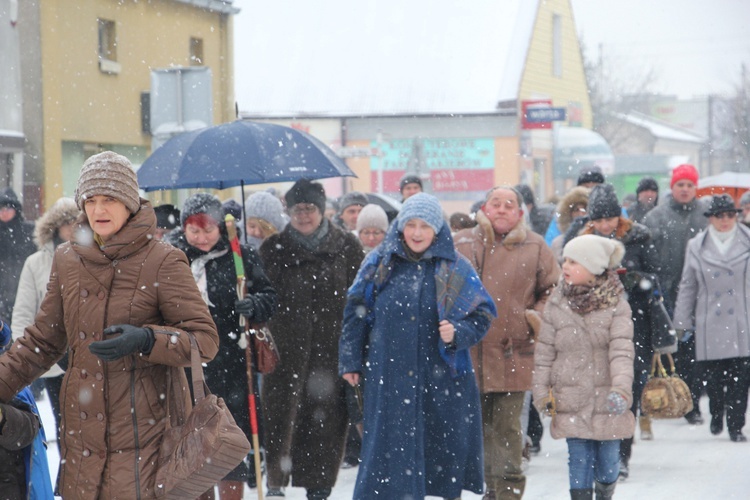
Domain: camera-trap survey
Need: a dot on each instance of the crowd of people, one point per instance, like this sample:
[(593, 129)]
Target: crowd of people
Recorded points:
[(455, 335)]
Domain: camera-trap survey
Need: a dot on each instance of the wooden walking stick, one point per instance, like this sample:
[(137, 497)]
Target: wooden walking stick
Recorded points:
[(239, 268)]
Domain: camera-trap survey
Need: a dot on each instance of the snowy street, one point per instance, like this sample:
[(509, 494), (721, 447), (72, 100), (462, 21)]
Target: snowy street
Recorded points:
[(682, 462)]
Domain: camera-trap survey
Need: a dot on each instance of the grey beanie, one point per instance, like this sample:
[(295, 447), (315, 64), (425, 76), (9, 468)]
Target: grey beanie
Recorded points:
[(264, 205), (421, 206), (109, 174), (595, 253), (745, 199), (372, 216), (352, 198), (603, 202), (202, 203)]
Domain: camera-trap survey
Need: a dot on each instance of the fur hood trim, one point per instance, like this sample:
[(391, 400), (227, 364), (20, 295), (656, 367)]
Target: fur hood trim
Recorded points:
[(577, 196), (63, 211)]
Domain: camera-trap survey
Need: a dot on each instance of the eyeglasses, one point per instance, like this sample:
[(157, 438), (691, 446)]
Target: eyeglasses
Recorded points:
[(374, 233), (303, 208), (725, 215)]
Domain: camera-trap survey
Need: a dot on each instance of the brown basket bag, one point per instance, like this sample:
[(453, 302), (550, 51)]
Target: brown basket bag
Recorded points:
[(665, 395)]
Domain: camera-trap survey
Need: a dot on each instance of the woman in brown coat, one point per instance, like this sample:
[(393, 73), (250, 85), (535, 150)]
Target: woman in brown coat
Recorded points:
[(121, 303), (583, 364)]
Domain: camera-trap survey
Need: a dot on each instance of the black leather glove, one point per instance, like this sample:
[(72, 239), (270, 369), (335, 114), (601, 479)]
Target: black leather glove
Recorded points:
[(245, 307), (132, 339)]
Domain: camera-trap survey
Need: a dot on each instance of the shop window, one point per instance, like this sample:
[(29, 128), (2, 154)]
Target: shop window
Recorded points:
[(196, 51), (108, 47)]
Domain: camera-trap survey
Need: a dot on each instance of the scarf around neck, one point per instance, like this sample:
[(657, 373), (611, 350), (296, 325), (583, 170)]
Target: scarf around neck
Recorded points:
[(604, 293), (312, 241), (198, 267), (723, 241)]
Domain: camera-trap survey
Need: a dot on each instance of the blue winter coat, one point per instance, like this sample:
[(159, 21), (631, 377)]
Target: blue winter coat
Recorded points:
[(422, 416)]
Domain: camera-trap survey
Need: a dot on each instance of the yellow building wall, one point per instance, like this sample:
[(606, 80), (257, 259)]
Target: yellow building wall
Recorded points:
[(538, 78), (507, 166), (83, 104)]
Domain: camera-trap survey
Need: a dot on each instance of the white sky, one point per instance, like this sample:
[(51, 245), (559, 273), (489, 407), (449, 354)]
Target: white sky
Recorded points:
[(695, 47)]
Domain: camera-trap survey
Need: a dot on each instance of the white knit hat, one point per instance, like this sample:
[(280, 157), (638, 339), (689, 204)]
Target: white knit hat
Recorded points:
[(372, 215), (595, 253)]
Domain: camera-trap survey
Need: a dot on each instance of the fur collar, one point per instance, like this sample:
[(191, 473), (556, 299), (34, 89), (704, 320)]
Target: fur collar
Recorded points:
[(516, 235)]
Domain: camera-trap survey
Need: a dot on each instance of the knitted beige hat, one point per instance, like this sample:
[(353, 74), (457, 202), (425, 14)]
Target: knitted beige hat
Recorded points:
[(109, 174), (595, 253)]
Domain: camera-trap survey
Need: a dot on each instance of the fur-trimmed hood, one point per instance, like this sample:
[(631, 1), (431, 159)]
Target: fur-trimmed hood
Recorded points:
[(577, 196), (63, 211)]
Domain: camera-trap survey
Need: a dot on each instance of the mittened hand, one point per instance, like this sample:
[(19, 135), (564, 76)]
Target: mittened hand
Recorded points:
[(616, 404), (547, 407), (132, 339), (245, 307)]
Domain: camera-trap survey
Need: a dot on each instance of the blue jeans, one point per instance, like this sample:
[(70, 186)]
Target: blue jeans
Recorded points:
[(590, 460)]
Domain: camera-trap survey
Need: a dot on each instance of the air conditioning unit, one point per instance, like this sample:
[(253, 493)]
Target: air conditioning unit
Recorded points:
[(110, 67)]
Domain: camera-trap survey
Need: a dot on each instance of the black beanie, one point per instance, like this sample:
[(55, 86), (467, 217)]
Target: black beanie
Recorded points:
[(603, 202), (8, 198), (306, 191), (167, 216), (526, 193), (647, 184), (591, 174), (409, 179)]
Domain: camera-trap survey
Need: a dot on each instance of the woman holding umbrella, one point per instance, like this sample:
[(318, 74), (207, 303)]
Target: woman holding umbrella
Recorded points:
[(203, 238)]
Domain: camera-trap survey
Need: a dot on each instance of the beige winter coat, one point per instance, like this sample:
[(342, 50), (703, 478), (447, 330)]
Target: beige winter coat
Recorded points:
[(518, 272), (582, 359), (32, 285)]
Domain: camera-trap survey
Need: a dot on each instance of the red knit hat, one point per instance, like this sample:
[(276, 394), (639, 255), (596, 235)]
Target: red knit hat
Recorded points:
[(684, 172)]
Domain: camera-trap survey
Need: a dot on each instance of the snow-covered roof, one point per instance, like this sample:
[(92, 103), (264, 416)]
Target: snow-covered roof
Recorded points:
[(375, 57), (659, 129)]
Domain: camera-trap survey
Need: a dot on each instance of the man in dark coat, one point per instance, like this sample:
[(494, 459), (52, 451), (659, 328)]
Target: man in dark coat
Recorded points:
[(311, 263), (539, 216), (16, 244), (672, 224), (647, 194)]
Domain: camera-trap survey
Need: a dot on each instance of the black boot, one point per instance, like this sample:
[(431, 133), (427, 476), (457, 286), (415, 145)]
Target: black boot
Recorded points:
[(581, 494), (318, 493), (604, 491)]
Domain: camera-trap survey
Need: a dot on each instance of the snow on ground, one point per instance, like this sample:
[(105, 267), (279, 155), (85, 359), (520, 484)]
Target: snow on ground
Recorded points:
[(682, 462)]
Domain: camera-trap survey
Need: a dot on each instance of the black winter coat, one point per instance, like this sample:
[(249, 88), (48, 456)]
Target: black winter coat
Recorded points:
[(16, 244), (641, 262), (305, 413), (226, 375)]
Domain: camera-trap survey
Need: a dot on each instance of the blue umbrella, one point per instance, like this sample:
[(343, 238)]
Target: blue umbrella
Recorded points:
[(238, 153)]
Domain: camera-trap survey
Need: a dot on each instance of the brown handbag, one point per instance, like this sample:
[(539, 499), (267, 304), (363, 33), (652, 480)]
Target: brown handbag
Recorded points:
[(201, 449), (665, 396), (266, 353)]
